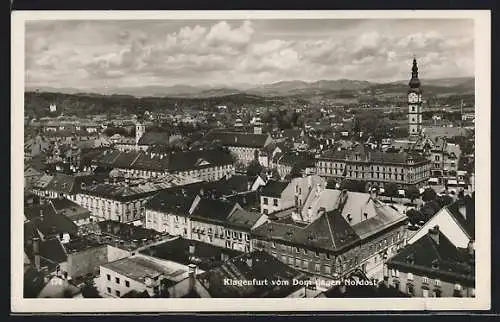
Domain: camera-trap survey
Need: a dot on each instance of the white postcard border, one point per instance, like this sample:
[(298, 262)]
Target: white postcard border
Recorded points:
[(482, 300)]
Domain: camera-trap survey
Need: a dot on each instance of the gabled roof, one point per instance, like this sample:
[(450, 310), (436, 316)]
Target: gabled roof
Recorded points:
[(250, 140), (274, 188), (452, 263), (212, 210), (329, 232), (51, 223)]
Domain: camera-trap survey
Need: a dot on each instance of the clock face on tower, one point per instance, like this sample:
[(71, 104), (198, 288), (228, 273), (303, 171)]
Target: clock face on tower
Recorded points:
[(413, 98)]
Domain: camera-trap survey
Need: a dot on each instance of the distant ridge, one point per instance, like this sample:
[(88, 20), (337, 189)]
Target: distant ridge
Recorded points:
[(283, 88)]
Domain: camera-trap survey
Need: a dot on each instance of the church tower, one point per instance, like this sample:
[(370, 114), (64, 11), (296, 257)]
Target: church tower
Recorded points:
[(140, 129), (414, 104)]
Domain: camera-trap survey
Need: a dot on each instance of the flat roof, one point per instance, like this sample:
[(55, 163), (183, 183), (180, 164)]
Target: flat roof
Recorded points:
[(139, 267)]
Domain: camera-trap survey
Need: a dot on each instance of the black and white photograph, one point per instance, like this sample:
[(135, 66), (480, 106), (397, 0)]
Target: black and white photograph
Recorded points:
[(324, 158)]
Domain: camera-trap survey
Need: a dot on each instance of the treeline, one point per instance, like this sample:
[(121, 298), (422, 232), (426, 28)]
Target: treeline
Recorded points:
[(37, 104)]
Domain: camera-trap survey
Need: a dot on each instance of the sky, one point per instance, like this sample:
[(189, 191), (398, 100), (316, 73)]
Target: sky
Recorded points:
[(133, 53)]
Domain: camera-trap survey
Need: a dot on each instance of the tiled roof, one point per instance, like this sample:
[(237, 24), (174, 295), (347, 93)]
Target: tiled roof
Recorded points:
[(467, 220), (263, 266), (274, 188), (329, 232), (333, 230), (168, 202), (175, 161), (206, 256), (452, 263), (51, 250), (243, 219), (250, 140), (154, 138), (212, 210), (373, 157)]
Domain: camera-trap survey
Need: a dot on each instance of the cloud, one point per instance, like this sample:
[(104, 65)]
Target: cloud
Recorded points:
[(83, 54)]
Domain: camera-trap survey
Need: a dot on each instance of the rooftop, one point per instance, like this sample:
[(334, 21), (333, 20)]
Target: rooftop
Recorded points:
[(174, 161), (240, 139), (436, 256), (206, 256), (258, 265), (139, 267)]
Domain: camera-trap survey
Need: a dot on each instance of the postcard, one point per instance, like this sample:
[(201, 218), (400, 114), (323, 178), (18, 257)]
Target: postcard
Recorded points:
[(197, 161)]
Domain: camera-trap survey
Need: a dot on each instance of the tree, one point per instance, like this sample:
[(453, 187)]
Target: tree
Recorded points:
[(414, 216), (445, 200), (429, 194), (391, 190), (413, 193), (89, 290), (254, 169)]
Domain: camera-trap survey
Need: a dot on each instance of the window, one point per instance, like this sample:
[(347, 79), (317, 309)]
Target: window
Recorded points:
[(109, 277), (411, 290), (425, 280), (317, 267), (328, 269), (437, 292), (275, 202), (273, 244), (297, 250), (304, 264), (425, 292), (410, 276), (317, 254), (127, 283), (265, 201), (305, 251), (117, 293), (108, 290)]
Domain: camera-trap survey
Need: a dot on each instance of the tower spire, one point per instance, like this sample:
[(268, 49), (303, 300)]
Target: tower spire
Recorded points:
[(414, 81)]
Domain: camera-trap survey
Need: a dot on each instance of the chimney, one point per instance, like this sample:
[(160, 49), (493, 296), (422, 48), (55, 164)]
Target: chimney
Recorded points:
[(471, 248), (192, 276), (36, 252), (434, 233), (250, 261)]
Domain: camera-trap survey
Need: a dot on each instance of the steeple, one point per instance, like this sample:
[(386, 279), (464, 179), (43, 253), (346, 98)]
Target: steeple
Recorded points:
[(414, 81)]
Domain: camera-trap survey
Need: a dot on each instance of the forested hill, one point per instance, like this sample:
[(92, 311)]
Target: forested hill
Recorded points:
[(37, 103)]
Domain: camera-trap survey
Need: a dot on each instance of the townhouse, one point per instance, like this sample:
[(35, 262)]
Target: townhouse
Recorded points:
[(375, 167), (201, 164)]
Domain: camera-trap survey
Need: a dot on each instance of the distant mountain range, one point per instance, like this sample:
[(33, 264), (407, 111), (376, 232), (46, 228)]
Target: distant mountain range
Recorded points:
[(296, 88)]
